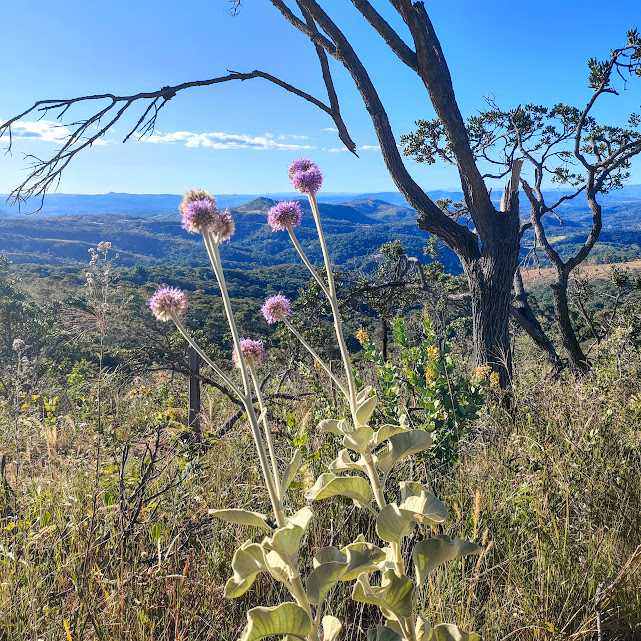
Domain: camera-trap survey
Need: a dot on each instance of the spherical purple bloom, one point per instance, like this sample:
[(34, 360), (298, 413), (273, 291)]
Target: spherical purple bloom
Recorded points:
[(198, 215), (167, 300), (276, 308), (305, 176), (253, 351), (223, 226), (283, 214), (193, 195)]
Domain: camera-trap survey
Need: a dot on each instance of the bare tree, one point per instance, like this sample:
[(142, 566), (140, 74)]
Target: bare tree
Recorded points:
[(489, 252), (565, 144)]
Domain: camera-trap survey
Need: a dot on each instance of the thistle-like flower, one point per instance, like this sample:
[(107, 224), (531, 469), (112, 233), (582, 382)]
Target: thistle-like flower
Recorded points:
[(283, 214), (19, 345), (305, 176), (166, 300), (194, 195), (198, 215), (224, 225), (276, 308), (253, 351)]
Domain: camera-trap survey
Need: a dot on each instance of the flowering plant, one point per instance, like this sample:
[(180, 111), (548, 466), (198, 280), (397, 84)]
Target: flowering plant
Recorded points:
[(363, 480)]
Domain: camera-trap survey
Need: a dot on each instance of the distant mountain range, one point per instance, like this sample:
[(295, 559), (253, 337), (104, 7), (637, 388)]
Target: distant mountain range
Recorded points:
[(621, 207), (145, 229)]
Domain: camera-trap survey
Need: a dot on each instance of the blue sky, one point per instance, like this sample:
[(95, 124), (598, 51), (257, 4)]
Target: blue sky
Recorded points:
[(240, 137)]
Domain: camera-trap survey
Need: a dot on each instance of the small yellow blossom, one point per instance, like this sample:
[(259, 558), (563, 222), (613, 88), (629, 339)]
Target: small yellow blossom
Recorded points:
[(362, 336), (482, 372), (431, 372), (495, 380), (432, 352), (317, 364)]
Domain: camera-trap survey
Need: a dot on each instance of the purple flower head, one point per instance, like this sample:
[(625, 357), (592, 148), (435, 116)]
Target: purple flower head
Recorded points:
[(198, 215), (305, 176), (193, 195), (224, 225), (253, 351), (167, 300), (283, 214), (276, 308)]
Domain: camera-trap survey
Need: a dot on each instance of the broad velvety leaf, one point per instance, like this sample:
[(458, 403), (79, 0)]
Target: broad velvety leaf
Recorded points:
[(383, 633), (276, 566), (393, 597), (363, 394), (247, 563), (422, 505), (361, 557), (241, 517), (331, 628), (328, 485), (423, 629), (322, 579), (428, 554), (281, 620), (402, 445), (290, 472), (286, 540), (386, 431), (343, 462), (365, 409), (392, 524), (330, 425), (329, 554), (358, 440)]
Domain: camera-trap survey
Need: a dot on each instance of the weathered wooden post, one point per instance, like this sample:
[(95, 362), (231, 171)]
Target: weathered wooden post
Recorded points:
[(194, 395)]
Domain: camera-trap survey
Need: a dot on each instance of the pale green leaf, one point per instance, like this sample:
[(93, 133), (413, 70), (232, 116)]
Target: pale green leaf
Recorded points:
[(248, 561), (290, 472), (402, 445), (276, 566), (361, 557), (281, 620), (392, 524), (386, 431), (331, 628), (363, 394), (301, 518), (424, 508), (450, 632), (343, 462), (330, 425), (428, 554), (328, 485), (365, 409), (358, 440), (423, 629), (329, 555), (286, 540), (383, 633), (412, 488), (322, 579), (393, 597), (241, 517)]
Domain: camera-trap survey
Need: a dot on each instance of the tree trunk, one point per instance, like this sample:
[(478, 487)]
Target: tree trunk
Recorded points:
[(562, 313), (490, 282)]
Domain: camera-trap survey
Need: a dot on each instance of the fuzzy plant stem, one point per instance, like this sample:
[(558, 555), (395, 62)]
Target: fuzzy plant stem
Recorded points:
[(187, 336), (268, 434), (303, 255), (331, 295), (270, 475), (322, 363), (338, 326)]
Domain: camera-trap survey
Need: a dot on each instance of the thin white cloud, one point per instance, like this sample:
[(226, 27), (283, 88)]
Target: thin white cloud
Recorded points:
[(220, 140), (46, 130), (337, 149), (369, 148), (292, 137), (332, 129)]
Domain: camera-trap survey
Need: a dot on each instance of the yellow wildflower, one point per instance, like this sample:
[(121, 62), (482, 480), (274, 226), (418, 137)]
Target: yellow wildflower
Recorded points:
[(362, 336), (431, 372), (495, 380), (317, 364), (432, 352), (482, 372)]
